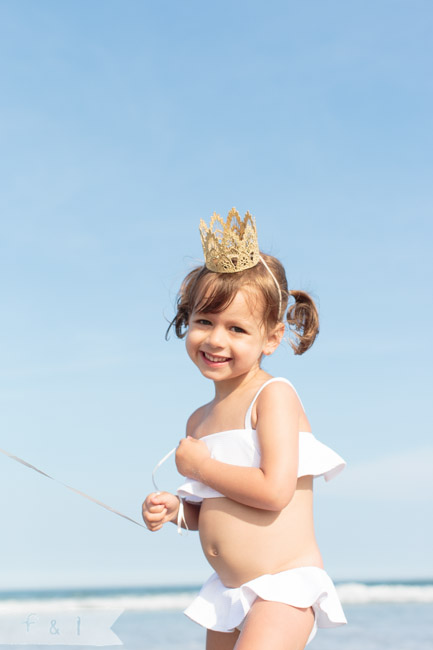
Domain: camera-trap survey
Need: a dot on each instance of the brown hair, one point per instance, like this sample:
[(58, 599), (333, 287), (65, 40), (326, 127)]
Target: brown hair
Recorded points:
[(207, 291)]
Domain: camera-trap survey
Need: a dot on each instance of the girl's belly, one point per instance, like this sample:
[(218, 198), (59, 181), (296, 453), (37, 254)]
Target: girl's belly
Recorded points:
[(242, 543)]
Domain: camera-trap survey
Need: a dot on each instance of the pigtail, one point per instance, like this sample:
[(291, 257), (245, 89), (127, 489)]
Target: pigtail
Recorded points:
[(183, 306), (179, 322), (303, 320)]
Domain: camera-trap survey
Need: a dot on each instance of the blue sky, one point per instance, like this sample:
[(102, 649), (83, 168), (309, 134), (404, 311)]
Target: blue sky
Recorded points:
[(121, 125)]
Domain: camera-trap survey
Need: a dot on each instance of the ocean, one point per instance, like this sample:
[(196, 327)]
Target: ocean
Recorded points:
[(396, 615)]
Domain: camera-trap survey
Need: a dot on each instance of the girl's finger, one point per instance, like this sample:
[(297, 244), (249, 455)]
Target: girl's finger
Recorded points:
[(156, 498), (146, 509), (155, 516), (156, 524), (159, 508), (151, 497)]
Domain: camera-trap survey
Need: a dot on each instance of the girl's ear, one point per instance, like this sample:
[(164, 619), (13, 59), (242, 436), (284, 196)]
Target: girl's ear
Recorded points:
[(274, 339)]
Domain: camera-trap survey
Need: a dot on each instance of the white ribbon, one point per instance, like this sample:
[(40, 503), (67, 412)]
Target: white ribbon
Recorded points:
[(180, 516), (158, 465), (83, 494), (181, 513)]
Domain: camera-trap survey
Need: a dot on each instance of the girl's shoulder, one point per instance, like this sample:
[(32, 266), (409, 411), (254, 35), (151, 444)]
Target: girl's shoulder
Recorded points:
[(277, 388), (195, 419), (278, 397)]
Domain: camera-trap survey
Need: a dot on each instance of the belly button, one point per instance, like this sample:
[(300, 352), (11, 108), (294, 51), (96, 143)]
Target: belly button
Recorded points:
[(214, 551)]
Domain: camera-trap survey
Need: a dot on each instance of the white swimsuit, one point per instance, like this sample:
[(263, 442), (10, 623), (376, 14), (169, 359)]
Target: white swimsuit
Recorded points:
[(241, 447), (224, 609)]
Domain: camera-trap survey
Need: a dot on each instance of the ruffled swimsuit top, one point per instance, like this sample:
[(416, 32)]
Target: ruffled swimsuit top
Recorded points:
[(241, 447)]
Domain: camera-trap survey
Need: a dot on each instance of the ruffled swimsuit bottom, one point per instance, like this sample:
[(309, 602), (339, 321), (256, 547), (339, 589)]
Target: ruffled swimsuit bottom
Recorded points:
[(224, 609)]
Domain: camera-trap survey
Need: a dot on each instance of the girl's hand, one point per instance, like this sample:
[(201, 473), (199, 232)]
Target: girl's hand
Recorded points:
[(190, 455), (159, 508)]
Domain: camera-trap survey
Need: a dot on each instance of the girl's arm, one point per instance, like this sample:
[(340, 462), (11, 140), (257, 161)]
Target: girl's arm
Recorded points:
[(270, 486)]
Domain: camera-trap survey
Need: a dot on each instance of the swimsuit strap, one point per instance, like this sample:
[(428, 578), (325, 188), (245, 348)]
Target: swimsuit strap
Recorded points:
[(270, 381)]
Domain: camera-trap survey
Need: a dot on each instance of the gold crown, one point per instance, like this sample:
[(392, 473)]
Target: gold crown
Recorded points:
[(232, 246)]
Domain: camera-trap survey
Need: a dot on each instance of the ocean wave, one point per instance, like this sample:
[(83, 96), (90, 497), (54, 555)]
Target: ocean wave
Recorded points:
[(350, 593), (145, 602), (358, 593)]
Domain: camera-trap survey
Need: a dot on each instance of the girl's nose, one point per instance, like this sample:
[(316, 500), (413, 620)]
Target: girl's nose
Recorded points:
[(216, 337)]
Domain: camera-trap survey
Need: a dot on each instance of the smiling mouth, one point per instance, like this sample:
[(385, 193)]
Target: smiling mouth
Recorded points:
[(213, 359)]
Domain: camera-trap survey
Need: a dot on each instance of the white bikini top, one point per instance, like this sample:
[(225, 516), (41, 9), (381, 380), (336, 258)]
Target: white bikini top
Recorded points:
[(241, 447)]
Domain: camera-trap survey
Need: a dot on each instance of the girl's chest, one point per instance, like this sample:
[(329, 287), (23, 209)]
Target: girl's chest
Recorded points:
[(222, 419)]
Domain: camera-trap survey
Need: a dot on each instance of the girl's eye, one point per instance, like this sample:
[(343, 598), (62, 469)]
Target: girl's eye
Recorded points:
[(237, 329), (203, 321)]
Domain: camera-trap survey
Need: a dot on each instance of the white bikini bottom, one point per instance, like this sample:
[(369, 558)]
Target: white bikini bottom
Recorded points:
[(224, 609)]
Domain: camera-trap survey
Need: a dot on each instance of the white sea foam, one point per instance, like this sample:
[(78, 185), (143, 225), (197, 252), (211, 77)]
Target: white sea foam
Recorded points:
[(358, 593), (349, 593), (147, 602)]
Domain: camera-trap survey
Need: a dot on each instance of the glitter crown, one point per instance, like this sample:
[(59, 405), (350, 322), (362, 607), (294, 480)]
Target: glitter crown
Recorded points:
[(232, 246)]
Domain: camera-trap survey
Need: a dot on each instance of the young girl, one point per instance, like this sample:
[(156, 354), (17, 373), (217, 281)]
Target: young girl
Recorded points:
[(249, 457)]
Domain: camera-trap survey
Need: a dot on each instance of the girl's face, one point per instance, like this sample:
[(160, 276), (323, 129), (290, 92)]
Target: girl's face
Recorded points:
[(230, 343)]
